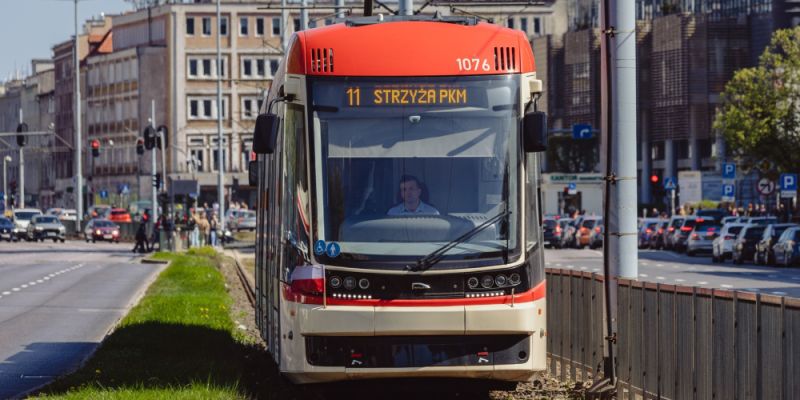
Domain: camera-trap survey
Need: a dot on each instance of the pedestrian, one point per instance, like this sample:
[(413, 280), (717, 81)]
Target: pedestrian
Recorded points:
[(156, 236), (214, 224), (141, 239), (194, 230), (205, 227)]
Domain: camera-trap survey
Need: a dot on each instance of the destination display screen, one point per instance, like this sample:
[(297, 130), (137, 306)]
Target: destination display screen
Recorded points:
[(410, 95)]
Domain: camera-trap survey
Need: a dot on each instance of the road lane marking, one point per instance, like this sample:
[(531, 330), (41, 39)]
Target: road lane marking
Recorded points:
[(644, 263), (702, 283), (596, 269), (570, 266), (583, 268), (726, 286), (780, 293), (558, 264), (643, 275), (659, 265), (16, 289), (660, 277), (39, 281), (24, 286), (680, 280), (6, 293), (753, 289)]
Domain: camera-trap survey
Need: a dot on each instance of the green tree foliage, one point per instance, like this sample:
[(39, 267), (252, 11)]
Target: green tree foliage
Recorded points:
[(760, 112)]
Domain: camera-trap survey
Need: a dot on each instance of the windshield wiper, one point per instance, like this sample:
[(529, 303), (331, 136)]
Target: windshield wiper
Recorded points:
[(435, 256)]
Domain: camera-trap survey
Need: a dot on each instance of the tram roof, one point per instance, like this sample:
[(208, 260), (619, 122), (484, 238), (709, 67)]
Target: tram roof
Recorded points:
[(410, 46)]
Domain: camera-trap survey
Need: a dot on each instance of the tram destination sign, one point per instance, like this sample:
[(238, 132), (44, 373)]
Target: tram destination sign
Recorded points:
[(412, 95)]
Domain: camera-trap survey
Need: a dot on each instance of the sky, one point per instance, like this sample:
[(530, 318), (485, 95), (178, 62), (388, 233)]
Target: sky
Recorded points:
[(30, 28)]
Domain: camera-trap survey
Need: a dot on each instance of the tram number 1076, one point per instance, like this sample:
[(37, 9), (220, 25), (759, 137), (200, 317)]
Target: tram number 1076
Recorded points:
[(472, 64)]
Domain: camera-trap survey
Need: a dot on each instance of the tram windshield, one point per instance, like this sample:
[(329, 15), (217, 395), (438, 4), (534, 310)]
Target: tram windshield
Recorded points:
[(405, 166)]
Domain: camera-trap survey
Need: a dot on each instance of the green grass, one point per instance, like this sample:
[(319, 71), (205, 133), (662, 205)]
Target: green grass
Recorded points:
[(179, 342)]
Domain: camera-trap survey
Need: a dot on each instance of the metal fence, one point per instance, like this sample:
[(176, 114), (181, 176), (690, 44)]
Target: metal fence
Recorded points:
[(676, 342)]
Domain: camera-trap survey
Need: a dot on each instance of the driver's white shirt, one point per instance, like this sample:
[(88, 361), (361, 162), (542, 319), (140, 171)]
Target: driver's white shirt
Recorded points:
[(422, 208)]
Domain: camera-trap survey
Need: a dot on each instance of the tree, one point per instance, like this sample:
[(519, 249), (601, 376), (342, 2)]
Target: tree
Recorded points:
[(759, 115)]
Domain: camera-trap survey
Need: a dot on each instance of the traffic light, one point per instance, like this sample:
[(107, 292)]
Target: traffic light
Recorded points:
[(95, 148), (22, 140), (140, 146), (149, 137), (654, 179), (164, 134), (157, 181)]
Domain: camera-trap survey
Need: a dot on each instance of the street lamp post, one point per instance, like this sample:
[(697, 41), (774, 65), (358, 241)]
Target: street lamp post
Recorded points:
[(6, 160)]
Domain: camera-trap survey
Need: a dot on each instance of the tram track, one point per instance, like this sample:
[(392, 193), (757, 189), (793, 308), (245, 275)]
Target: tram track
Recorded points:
[(249, 290)]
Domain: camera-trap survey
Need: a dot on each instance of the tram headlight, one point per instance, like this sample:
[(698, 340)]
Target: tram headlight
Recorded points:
[(487, 281), (349, 283), (363, 283), (500, 280), (335, 282), (473, 282), (514, 279)]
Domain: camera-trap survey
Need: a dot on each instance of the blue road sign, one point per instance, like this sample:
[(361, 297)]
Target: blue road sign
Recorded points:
[(581, 131), (789, 182), (104, 194), (728, 190), (333, 250), (728, 171), (669, 183)]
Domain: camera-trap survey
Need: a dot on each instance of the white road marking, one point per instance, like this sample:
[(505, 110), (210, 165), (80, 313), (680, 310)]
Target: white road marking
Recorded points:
[(558, 265), (726, 286), (659, 265), (570, 266), (595, 269), (24, 286), (702, 283), (644, 263), (47, 278), (680, 280), (780, 293), (753, 289), (643, 275), (16, 289), (583, 268), (39, 281), (32, 283), (660, 277), (692, 268), (6, 293)]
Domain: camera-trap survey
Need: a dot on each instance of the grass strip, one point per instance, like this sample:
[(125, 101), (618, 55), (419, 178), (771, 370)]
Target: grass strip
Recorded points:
[(179, 342)]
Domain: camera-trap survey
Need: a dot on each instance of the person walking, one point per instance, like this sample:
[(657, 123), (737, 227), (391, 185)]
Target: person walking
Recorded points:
[(194, 230), (205, 227), (141, 239), (214, 224)]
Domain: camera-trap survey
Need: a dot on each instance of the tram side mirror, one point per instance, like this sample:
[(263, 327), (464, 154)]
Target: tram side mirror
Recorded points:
[(252, 173), (534, 132), (266, 134)]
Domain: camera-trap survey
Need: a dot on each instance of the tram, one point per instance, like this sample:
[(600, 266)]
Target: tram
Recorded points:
[(399, 222)]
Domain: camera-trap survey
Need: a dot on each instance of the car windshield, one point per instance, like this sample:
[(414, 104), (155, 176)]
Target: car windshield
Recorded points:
[(25, 215), (46, 220), (103, 224), (118, 212), (405, 165), (735, 230), (754, 233), (779, 229)]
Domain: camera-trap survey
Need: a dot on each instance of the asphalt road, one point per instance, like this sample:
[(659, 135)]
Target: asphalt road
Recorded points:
[(57, 302), (679, 269)]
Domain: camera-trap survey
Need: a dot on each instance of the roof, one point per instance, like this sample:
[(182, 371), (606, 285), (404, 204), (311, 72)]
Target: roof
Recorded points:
[(421, 46)]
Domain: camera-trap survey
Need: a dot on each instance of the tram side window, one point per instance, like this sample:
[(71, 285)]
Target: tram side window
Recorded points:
[(295, 186)]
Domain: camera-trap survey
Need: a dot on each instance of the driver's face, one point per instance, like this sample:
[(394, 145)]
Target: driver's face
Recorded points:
[(410, 192)]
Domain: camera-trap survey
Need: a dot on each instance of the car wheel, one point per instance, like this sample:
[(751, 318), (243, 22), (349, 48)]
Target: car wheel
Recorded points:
[(714, 258), (63, 240), (94, 240)]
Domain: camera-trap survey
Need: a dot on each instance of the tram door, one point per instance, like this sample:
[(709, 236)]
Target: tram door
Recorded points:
[(274, 172)]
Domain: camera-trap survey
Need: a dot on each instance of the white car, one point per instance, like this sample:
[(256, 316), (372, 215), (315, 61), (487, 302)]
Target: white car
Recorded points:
[(22, 217), (722, 246)]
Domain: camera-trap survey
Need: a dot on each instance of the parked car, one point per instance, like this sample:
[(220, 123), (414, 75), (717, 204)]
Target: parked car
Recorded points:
[(44, 227), (787, 248), (584, 231), (702, 237), (647, 227), (231, 218), (596, 237), (560, 232), (53, 211), (119, 215), (759, 220), (730, 219), (549, 226), (715, 213), (681, 234), (722, 247), (764, 254), (246, 220), (674, 224), (68, 215), (745, 246), (22, 217), (101, 229), (657, 238), (7, 229)]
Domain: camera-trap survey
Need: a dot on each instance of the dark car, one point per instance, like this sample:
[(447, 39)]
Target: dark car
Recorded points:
[(46, 227), (764, 254), (674, 224), (787, 248), (549, 226), (6, 229), (659, 235), (681, 234), (745, 246), (646, 230), (101, 229)]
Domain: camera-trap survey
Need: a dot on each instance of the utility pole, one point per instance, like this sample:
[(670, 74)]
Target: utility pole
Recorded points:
[(220, 141), (6, 160), (21, 169), (153, 169), (339, 8), (304, 15), (78, 153), (406, 7), (284, 35)]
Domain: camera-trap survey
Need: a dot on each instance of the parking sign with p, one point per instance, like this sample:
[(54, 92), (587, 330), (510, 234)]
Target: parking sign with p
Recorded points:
[(788, 184), (728, 171)]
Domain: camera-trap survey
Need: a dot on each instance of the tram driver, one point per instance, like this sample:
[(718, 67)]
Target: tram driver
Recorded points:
[(411, 204)]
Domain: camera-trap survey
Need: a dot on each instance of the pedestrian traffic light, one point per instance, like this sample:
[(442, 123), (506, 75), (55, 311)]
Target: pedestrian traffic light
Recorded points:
[(157, 181), (654, 178), (162, 137), (95, 148), (140, 146), (149, 137), (22, 140)]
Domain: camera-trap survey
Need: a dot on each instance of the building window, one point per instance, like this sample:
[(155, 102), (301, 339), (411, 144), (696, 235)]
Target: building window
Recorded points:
[(205, 108), (256, 67), (273, 66), (190, 26), (510, 23), (205, 67), (297, 24), (215, 156), (312, 24), (259, 26), (260, 71), (223, 26), (523, 24), (276, 26), (206, 26), (194, 111), (247, 68), (250, 107), (243, 26), (537, 26), (197, 156)]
